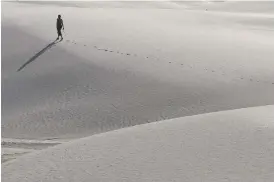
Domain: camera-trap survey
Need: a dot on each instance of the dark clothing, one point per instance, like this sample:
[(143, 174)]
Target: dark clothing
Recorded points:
[(59, 24), (59, 32)]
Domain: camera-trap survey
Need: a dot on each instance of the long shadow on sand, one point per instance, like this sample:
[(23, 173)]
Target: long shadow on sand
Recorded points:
[(38, 54)]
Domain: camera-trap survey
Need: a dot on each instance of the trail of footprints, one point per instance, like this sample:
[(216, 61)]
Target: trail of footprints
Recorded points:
[(184, 65)]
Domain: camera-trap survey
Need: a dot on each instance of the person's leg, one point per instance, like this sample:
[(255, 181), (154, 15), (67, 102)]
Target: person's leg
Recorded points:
[(59, 33)]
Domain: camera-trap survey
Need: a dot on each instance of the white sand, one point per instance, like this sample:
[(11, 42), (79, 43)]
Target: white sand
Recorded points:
[(13, 148), (235, 145), (120, 66), (124, 64)]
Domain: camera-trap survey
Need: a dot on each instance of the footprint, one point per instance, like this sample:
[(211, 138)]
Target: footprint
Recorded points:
[(128, 54)]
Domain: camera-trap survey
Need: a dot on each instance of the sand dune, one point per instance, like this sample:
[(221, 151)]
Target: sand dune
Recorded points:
[(123, 64), (265, 7), (232, 145), (123, 67)]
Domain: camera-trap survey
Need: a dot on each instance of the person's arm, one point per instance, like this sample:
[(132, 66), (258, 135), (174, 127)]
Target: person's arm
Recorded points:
[(63, 25)]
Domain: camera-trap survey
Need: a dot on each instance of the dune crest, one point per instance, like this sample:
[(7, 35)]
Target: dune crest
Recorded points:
[(234, 145)]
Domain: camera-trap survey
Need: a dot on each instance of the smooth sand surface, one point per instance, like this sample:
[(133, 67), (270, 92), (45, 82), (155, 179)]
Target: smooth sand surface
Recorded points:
[(120, 66), (236, 145), (129, 63), (243, 6), (13, 148)]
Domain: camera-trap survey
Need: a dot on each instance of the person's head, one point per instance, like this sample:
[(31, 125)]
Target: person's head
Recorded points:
[(59, 16)]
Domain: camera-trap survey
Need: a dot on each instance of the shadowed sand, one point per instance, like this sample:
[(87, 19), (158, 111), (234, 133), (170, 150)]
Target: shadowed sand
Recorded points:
[(126, 64), (118, 71), (37, 55)]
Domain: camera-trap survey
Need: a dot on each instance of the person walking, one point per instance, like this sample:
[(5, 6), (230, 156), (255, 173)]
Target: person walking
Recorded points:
[(59, 26)]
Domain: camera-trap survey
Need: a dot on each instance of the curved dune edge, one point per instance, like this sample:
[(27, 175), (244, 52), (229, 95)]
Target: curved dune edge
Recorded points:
[(234, 145), (105, 80)]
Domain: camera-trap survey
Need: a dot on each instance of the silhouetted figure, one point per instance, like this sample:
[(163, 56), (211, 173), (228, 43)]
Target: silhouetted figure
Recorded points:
[(59, 26)]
